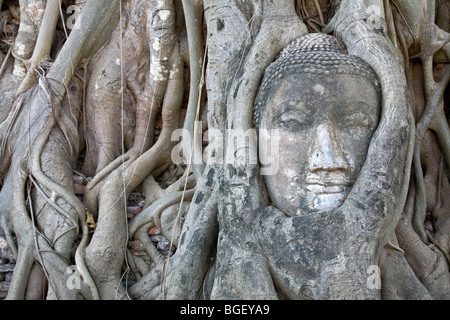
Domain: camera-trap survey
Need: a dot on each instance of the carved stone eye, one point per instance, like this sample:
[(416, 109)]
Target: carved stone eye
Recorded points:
[(293, 120), (356, 121)]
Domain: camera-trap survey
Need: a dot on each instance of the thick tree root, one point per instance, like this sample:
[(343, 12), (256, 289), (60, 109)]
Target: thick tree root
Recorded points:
[(106, 262)]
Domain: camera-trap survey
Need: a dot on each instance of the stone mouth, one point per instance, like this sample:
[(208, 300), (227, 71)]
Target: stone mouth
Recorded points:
[(327, 188), (327, 179), (334, 184)]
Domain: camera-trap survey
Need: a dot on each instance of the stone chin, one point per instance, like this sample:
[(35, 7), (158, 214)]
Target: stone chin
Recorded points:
[(310, 199), (327, 201)]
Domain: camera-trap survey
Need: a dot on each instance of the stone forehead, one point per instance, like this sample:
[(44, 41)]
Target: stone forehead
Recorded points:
[(316, 54)]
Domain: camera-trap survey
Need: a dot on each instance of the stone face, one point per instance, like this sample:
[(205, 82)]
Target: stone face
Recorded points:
[(325, 126)]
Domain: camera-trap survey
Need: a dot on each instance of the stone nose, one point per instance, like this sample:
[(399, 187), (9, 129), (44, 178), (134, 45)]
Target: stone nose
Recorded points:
[(326, 153)]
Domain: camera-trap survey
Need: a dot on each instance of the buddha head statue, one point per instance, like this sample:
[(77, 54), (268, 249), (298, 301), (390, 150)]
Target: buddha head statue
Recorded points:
[(326, 105)]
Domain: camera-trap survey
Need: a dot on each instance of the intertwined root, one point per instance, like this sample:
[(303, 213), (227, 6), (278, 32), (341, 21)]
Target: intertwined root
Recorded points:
[(39, 201)]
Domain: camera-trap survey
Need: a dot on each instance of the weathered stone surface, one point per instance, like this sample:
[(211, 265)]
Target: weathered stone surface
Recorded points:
[(4, 286), (7, 267), (5, 251)]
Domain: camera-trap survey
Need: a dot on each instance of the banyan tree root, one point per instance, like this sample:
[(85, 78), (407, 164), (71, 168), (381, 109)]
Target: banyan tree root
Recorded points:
[(193, 11), (38, 122), (31, 15), (431, 151), (50, 247), (105, 262), (41, 51), (146, 83), (196, 245)]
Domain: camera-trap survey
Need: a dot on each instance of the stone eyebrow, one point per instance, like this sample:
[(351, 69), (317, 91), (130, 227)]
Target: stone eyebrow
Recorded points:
[(285, 104)]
